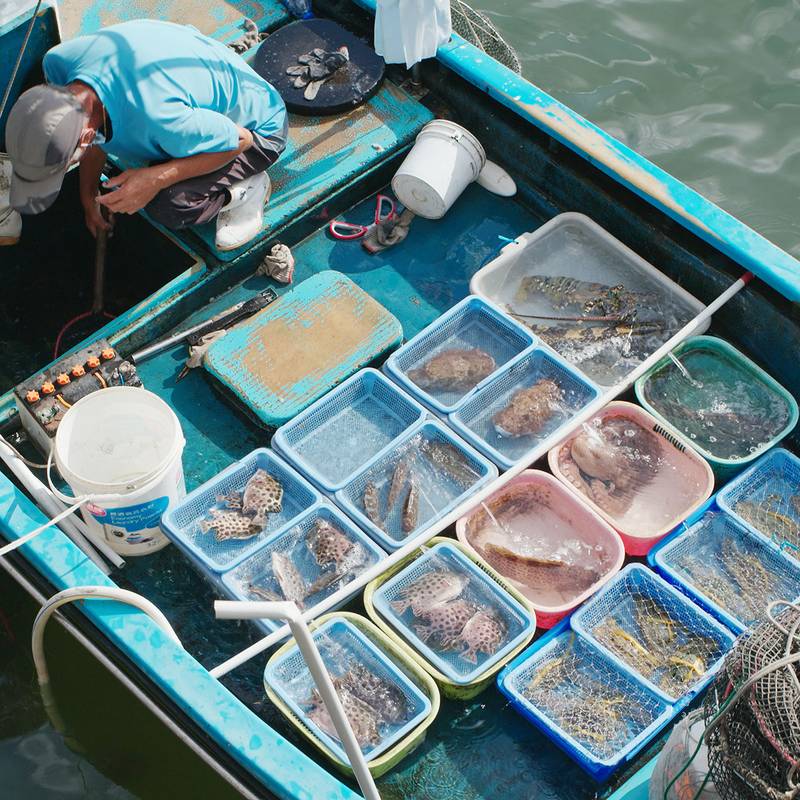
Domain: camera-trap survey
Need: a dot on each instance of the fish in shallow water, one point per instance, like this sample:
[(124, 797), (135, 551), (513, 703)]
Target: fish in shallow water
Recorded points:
[(328, 544), (429, 590), (444, 623), (446, 457), (528, 409), (293, 587), (263, 494), (371, 501), (362, 717), (410, 509), (399, 478), (229, 525), (483, 633), (382, 695), (454, 370)]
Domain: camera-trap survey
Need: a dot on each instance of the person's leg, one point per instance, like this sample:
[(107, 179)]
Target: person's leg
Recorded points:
[(199, 200)]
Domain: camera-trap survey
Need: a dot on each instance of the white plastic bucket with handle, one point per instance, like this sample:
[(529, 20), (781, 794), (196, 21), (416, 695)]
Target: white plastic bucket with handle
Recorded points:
[(444, 160), (122, 446)]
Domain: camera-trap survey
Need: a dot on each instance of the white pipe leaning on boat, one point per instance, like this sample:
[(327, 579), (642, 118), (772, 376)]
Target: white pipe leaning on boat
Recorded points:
[(534, 454), (285, 610)]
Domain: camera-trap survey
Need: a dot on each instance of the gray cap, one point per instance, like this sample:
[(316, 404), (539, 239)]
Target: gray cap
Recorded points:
[(42, 132)]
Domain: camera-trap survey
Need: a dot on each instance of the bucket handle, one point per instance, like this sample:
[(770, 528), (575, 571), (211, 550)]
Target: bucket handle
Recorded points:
[(70, 499)]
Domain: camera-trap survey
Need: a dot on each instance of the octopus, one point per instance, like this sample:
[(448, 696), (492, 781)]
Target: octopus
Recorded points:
[(610, 461), (454, 370), (528, 409)]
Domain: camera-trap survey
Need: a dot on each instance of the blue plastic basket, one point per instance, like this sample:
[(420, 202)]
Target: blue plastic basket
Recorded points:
[(479, 592), (614, 608), (438, 491), (569, 673), (472, 323), (182, 523), (341, 646), (706, 562), (474, 419), (761, 498), (294, 543), (335, 437)]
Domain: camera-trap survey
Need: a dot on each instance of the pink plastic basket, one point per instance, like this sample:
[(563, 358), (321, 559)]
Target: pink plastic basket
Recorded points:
[(645, 504), (558, 507)]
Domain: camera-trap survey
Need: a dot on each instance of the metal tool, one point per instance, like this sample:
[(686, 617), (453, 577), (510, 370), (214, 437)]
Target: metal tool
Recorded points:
[(192, 335)]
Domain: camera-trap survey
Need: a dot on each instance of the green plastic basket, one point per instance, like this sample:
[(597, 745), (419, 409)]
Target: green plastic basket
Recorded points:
[(449, 689), (724, 468), (402, 659)]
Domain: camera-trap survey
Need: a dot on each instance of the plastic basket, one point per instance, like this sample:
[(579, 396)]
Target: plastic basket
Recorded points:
[(475, 419), (740, 371), (335, 437), (729, 570), (560, 508), (345, 638), (681, 483), (678, 631), (295, 543), (438, 490), (554, 685), (472, 323), (182, 523), (763, 498), (454, 689)]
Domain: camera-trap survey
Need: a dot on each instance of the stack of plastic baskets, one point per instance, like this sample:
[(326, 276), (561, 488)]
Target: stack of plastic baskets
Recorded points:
[(442, 469), (471, 324), (721, 374), (213, 554), (335, 437), (479, 419), (301, 547), (766, 498), (402, 602), (357, 656), (729, 570), (650, 627), (589, 704)]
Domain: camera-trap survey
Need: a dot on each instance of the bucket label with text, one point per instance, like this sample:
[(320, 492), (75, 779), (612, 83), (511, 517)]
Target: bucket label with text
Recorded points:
[(133, 518)]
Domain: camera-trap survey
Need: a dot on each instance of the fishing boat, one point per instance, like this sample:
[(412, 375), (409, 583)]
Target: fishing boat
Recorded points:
[(204, 676)]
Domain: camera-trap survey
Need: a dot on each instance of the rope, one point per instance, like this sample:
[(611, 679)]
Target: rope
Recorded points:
[(22, 49)]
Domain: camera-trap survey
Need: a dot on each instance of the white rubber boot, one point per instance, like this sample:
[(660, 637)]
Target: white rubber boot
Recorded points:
[(10, 220), (243, 217)]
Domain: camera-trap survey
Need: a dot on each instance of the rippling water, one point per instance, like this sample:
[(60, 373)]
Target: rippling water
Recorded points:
[(708, 90)]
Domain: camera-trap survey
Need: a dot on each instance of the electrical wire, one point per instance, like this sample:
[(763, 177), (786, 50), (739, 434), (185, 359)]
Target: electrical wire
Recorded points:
[(31, 464)]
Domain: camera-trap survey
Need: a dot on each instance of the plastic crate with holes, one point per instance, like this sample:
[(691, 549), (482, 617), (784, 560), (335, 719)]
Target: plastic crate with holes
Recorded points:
[(444, 364), (336, 436), (317, 555), (649, 626), (237, 512), (728, 569), (524, 403), (453, 614), (593, 708), (425, 474), (766, 498), (389, 699)]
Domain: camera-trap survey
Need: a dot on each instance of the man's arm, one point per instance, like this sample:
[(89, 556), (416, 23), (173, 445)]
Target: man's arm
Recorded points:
[(137, 187), (89, 171)]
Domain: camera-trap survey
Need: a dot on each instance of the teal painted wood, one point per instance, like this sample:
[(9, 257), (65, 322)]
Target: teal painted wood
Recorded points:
[(278, 764), (689, 208), (637, 787), (288, 355)]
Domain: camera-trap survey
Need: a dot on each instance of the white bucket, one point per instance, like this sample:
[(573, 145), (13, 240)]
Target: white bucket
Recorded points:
[(123, 445), (444, 160)]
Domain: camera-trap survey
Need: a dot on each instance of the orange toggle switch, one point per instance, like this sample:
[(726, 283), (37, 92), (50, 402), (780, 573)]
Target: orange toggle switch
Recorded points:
[(78, 370), (32, 396), (48, 388), (107, 354), (62, 379), (93, 362)]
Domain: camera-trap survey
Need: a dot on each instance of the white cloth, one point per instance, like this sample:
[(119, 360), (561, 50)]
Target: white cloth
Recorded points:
[(407, 31)]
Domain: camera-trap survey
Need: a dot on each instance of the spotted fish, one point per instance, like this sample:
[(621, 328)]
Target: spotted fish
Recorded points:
[(447, 458), (444, 623), (328, 544), (410, 516), (456, 369), (362, 717), (229, 525), (386, 697), (371, 502), (484, 633), (263, 494), (289, 579), (399, 478), (429, 590)]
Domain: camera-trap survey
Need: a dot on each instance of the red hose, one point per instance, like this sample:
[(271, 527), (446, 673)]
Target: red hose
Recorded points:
[(68, 325)]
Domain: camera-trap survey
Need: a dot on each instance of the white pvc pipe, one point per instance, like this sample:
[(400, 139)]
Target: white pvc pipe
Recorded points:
[(243, 609), (534, 454)]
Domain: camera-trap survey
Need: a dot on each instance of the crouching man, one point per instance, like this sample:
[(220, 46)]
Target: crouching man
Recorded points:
[(195, 125)]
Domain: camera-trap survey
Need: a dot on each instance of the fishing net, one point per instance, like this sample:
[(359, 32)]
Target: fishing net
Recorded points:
[(477, 29), (753, 712)]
